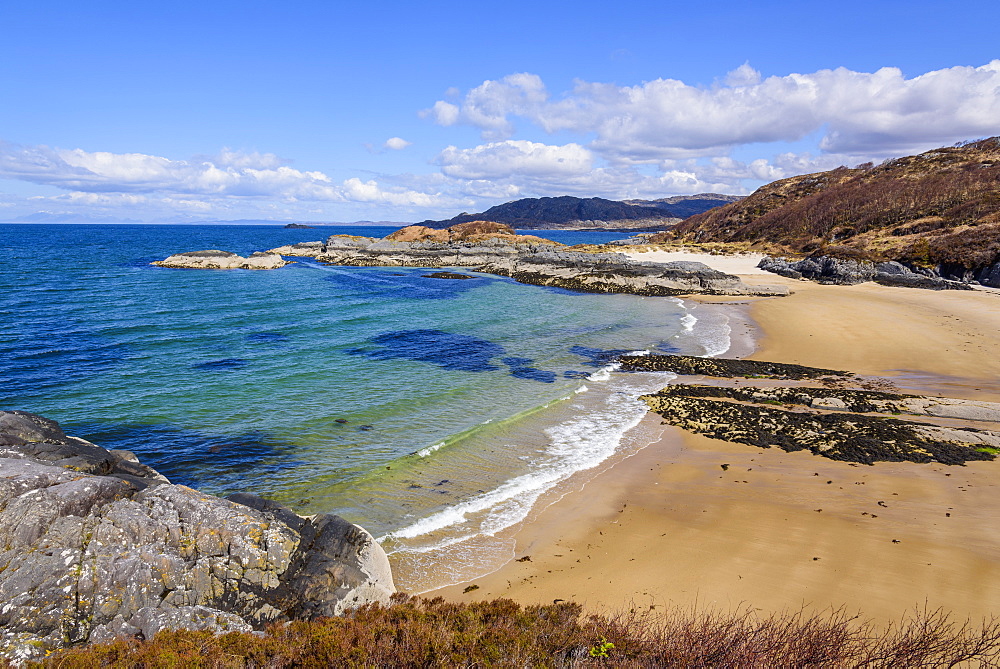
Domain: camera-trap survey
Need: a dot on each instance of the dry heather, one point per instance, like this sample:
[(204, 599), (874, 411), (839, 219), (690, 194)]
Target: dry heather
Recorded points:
[(500, 633)]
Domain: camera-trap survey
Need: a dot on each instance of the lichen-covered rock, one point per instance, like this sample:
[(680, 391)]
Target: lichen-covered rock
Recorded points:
[(94, 545), (215, 259)]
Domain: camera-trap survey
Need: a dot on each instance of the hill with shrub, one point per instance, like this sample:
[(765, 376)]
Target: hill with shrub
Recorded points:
[(939, 209)]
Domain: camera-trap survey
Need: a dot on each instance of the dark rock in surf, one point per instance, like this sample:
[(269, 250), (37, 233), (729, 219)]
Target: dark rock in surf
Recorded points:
[(447, 275)]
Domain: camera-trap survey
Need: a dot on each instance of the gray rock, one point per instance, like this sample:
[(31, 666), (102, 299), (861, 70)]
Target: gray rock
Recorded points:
[(829, 403), (989, 276), (94, 545), (891, 267), (305, 249)]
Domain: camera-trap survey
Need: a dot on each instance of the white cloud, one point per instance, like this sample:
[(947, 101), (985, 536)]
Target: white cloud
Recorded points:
[(519, 168), (444, 113), (396, 143), (230, 175), (241, 160), (744, 75), (669, 119), (489, 105), (502, 159), (369, 191)]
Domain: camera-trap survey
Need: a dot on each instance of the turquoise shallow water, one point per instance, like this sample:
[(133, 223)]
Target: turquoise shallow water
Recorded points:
[(433, 412)]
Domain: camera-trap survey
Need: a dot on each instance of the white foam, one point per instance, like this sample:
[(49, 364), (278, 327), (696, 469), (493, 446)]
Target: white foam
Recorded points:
[(711, 333), (604, 373), (719, 341), (424, 452), (575, 445), (581, 389), (444, 543)]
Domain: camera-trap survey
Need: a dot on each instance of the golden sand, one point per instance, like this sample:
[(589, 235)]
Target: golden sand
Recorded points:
[(775, 530)]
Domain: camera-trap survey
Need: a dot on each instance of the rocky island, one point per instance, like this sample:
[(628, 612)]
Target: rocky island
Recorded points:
[(215, 259), (96, 545)]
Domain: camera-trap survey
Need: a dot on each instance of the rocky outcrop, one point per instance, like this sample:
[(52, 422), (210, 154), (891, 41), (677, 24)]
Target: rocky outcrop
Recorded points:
[(824, 269), (215, 259), (490, 247), (617, 273), (95, 545)]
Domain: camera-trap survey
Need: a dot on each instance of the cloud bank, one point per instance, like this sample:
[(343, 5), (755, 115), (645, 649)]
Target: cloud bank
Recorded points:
[(649, 140), (229, 175), (666, 119)]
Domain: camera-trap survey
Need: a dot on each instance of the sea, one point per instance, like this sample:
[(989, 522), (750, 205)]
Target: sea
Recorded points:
[(438, 414)]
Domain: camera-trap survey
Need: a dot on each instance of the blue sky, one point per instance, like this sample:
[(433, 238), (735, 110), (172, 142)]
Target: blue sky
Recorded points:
[(329, 111)]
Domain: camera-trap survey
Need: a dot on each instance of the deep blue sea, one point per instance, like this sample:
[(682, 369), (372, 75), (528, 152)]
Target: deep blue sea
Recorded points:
[(435, 413)]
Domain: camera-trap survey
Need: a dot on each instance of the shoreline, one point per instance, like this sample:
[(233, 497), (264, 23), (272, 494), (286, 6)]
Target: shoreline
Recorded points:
[(667, 526)]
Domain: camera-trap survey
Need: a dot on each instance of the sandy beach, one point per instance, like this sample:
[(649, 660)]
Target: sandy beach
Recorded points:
[(670, 526)]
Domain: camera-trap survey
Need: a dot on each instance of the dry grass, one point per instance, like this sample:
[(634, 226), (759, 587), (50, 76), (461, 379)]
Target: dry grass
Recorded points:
[(500, 633)]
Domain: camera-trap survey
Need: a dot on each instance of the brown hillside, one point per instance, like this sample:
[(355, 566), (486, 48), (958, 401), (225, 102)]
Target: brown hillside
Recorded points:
[(941, 207)]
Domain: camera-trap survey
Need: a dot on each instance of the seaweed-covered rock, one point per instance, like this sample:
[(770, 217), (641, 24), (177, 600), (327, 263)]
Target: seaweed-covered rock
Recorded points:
[(94, 545), (723, 367), (840, 399), (839, 436)]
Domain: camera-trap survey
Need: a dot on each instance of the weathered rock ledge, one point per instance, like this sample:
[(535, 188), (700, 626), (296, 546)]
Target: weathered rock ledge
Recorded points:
[(95, 545), (824, 269), (525, 259), (215, 259)]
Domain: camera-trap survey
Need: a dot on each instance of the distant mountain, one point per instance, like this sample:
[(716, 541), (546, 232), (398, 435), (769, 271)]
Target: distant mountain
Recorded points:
[(937, 209), (683, 206), (569, 212)]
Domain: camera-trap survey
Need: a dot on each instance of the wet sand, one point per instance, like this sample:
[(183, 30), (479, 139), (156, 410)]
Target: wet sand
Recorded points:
[(776, 531)]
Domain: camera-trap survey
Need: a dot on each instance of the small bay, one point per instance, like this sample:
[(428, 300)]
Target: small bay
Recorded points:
[(433, 412)]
